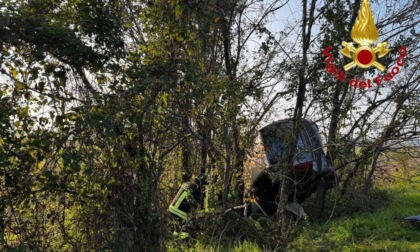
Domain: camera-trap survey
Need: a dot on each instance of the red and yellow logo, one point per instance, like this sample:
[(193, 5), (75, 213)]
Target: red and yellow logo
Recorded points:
[(365, 33)]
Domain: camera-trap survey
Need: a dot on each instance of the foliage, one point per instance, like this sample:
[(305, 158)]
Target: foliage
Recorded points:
[(233, 232), (380, 227), (104, 101), (107, 106)]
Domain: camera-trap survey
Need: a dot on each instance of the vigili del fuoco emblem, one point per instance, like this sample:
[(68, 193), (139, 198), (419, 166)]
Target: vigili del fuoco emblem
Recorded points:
[(365, 33)]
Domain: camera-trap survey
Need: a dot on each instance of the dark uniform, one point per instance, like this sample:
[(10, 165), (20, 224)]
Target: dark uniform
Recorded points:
[(189, 196)]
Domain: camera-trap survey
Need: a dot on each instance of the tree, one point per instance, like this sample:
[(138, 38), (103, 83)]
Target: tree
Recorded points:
[(359, 117), (129, 88)]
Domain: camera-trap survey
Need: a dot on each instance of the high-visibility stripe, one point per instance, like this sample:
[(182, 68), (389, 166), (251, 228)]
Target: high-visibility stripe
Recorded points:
[(177, 212), (182, 197), (182, 235), (175, 209)]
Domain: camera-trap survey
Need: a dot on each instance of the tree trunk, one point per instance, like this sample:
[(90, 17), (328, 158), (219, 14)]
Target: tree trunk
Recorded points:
[(318, 207), (368, 181), (228, 166)]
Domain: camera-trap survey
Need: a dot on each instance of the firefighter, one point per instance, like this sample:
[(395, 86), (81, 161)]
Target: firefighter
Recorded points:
[(190, 196)]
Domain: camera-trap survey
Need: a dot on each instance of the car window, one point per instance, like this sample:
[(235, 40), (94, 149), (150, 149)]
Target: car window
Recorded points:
[(275, 149), (300, 144), (315, 137), (304, 154), (318, 148)]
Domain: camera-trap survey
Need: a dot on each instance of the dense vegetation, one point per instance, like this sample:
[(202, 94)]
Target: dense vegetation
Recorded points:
[(377, 226), (107, 106)]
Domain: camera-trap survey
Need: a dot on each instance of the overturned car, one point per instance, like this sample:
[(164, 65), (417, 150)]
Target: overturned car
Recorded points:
[(264, 171), (311, 171)]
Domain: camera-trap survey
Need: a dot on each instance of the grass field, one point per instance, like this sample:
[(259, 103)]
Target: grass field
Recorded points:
[(380, 229)]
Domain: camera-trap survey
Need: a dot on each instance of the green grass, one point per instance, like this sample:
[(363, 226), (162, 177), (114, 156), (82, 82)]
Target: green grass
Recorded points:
[(381, 230), (233, 247)]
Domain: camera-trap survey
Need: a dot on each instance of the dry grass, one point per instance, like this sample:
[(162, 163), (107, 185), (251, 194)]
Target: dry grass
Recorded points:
[(403, 164)]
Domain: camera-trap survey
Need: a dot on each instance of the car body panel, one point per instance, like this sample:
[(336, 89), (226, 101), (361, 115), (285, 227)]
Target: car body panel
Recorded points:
[(275, 139)]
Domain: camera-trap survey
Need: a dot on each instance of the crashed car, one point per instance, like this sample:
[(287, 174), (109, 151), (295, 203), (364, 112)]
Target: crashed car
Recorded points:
[(311, 171)]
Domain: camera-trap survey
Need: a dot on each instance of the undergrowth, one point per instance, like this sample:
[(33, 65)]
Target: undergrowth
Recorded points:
[(382, 229), (357, 222)]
